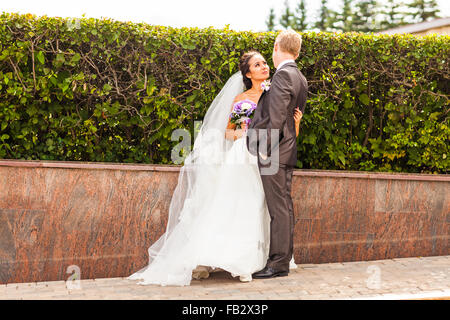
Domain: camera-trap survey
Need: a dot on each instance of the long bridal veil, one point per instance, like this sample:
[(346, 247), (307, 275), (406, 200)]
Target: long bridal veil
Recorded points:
[(173, 256), (201, 164), (200, 169)]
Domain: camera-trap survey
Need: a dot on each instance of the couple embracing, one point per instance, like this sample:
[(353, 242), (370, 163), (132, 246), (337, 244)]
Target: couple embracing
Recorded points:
[(232, 208)]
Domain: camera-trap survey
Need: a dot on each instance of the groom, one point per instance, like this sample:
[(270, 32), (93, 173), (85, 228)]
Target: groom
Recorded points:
[(271, 136)]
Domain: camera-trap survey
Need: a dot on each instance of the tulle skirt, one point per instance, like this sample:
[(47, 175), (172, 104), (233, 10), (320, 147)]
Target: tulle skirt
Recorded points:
[(229, 230)]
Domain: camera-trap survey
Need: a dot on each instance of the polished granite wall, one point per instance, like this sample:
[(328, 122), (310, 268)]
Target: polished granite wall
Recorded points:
[(102, 217)]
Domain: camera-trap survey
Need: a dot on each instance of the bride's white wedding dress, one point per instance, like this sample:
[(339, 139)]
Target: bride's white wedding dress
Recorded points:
[(223, 220)]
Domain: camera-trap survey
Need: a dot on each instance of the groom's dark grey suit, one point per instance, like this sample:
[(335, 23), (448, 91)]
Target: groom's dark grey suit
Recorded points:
[(275, 110)]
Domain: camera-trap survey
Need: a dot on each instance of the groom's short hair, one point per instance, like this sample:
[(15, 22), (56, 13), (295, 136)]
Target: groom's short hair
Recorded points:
[(289, 41)]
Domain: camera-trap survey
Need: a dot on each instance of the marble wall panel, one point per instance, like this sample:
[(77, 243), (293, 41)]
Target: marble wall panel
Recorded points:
[(102, 217)]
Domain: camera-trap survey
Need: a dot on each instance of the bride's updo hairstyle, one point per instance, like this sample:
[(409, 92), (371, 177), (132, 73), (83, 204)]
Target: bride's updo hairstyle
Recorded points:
[(244, 66)]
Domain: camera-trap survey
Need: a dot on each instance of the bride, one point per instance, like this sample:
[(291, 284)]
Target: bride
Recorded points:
[(218, 217)]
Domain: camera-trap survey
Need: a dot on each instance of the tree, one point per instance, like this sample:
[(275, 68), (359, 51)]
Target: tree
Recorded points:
[(364, 18), (343, 20), (346, 16), (286, 17), (423, 10), (270, 22), (299, 20), (393, 14), (325, 20)]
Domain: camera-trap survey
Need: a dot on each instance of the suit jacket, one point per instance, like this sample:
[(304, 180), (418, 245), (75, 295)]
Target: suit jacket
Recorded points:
[(275, 110)]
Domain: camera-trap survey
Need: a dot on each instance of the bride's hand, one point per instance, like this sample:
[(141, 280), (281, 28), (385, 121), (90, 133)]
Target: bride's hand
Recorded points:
[(239, 133), (244, 126), (297, 117), (233, 134)]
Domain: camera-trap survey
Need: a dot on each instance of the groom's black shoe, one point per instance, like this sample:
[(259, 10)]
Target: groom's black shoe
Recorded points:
[(269, 272)]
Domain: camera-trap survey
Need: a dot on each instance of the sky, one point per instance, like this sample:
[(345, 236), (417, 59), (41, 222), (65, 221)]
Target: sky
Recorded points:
[(240, 15)]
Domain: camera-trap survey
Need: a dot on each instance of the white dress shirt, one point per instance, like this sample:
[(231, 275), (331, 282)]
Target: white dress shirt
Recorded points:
[(284, 62)]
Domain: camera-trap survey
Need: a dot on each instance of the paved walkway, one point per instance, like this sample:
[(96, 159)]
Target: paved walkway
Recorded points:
[(405, 278)]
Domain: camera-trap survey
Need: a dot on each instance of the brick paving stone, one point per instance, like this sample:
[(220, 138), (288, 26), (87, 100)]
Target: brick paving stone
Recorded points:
[(256, 296), (108, 279), (83, 297), (299, 291), (282, 291), (86, 286), (226, 291), (50, 283), (347, 280), (314, 297), (24, 291), (335, 265), (239, 297), (23, 286), (287, 294), (10, 289)]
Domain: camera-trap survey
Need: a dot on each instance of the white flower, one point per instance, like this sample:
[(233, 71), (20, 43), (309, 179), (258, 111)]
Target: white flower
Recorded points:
[(245, 106), (265, 85)]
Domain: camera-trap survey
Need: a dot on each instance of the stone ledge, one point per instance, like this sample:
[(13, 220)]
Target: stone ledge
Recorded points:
[(176, 168)]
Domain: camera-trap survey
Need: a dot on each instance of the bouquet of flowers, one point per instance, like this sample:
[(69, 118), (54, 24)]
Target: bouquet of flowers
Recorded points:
[(242, 112)]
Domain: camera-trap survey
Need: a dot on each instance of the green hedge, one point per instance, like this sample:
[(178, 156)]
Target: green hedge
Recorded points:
[(104, 90)]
